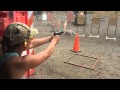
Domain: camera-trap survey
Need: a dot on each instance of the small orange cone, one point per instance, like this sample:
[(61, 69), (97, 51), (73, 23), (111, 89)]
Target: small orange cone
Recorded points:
[(76, 47)]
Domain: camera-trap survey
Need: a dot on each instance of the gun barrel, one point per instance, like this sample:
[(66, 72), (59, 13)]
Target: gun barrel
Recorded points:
[(58, 33)]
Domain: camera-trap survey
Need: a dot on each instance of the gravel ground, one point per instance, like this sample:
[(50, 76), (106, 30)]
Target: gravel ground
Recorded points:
[(107, 51)]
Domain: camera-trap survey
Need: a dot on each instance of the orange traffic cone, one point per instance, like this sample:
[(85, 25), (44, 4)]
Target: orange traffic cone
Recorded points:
[(76, 47)]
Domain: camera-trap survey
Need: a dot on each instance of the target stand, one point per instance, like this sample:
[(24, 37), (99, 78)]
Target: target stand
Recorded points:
[(44, 18), (112, 22), (49, 18), (81, 65), (70, 18), (54, 24), (81, 20), (95, 21)]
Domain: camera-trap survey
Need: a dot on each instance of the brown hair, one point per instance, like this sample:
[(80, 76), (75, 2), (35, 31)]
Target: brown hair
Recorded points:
[(5, 46)]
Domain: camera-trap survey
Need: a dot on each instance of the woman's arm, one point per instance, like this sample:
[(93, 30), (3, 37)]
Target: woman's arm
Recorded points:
[(40, 41), (31, 61)]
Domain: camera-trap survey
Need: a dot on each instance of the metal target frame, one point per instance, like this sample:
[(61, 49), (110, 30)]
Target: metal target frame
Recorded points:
[(113, 18), (36, 15), (70, 18), (49, 18), (81, 20), (95, 21), (44, 18)]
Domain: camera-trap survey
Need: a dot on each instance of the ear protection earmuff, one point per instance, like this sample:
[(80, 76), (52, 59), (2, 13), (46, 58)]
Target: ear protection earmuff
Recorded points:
[(25, 43)]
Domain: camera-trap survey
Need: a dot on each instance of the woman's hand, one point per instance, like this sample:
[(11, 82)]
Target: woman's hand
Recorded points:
[(55, 39)]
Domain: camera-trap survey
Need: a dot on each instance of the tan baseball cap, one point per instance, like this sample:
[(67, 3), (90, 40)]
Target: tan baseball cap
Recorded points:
[(18, 32)]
